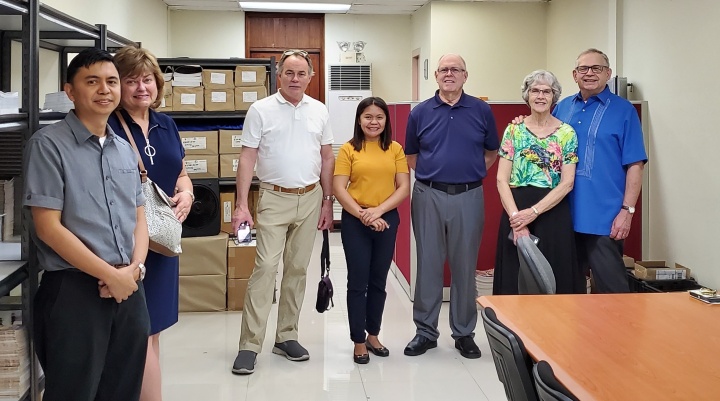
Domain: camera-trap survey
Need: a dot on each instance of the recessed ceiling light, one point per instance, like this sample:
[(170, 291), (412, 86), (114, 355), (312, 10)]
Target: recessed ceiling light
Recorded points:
[(294, 7)]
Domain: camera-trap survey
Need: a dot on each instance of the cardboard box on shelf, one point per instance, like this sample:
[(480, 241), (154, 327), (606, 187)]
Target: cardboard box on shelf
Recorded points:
[(227, 208), (205, 293), (250, 75), (218, 79), (236, 290), (629, 262), (229, 165), (204, 256), (7, 208), (200, 142), (656, 270), (240, 259), (219, 99), (247, 95), (201, 166), (188, 98), (167, 99), (230, 141)]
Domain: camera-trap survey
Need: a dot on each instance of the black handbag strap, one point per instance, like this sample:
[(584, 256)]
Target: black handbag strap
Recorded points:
[(325, 255)]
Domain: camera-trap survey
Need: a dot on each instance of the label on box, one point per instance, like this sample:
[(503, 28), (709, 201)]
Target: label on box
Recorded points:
[(162, 102), (227, 212), (237, 141), (195, 143), (217, 78), (235, 165), (196, 166), (249, 97), (187, 98), (669, 274), (249, 76), (219, 97)]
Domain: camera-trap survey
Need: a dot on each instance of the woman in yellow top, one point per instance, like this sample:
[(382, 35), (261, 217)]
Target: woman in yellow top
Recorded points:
[(371, 179)]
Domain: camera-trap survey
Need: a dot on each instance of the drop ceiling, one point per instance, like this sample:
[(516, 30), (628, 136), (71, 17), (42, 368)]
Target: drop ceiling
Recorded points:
[(358, 7)]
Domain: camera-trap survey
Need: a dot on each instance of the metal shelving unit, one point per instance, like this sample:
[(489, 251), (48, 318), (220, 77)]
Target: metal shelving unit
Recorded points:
[(37, 26)]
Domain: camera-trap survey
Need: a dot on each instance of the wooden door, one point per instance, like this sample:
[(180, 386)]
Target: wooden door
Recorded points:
[(269, 34), (314, 89)]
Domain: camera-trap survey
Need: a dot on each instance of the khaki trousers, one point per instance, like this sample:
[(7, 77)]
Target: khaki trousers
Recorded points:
[(286, 226)]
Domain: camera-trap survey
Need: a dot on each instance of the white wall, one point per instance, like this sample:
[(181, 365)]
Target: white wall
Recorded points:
[(574, 26), (49, 71), (387, 48), (138, 20), (501, 43), (207, 34), (669, 56), (421, 38)]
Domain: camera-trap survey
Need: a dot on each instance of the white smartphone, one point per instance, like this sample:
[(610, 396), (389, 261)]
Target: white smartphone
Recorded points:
[(244, 235)]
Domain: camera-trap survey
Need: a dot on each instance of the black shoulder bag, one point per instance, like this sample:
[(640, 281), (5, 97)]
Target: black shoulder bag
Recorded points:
[(325, 287)]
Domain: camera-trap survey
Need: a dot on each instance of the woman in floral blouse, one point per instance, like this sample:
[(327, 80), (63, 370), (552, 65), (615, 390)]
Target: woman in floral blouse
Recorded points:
[(536, 169)]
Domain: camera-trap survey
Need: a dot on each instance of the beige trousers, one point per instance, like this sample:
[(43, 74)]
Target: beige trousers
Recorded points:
[(286, 226)]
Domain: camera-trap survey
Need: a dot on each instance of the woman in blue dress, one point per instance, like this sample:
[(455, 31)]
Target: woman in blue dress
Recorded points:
[(158, 141)]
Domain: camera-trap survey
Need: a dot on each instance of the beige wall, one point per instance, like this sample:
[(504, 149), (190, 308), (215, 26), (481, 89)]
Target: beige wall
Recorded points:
[(421, 38), (387, 48), (49, 71), (667, 55), (501, 43), (207, 34)]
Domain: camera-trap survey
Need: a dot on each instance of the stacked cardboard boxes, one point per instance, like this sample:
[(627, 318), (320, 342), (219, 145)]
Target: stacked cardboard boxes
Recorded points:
[(219, 90), (203, 273), (201, 153), (14, 362), (240, 264), (249, 85)]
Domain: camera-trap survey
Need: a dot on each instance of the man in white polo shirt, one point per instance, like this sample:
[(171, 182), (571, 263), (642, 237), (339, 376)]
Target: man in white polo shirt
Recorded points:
[(288, 135)]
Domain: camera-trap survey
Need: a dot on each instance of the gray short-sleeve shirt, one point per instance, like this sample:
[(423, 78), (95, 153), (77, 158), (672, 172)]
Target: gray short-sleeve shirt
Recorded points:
[(96, 187)]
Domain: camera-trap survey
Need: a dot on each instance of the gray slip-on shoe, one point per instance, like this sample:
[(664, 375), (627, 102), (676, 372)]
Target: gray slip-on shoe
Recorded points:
[(244, 363), (291, 350)]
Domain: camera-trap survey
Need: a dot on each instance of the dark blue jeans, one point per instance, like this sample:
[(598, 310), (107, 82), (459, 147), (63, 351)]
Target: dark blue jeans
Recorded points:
[(368, 254)]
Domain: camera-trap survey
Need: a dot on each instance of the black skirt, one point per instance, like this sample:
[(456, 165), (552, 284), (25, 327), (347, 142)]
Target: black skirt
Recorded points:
[(557, 242)]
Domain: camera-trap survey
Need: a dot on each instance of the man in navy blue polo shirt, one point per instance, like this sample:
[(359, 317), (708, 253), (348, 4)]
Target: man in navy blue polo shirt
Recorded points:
[(609, 176), (451, 142)]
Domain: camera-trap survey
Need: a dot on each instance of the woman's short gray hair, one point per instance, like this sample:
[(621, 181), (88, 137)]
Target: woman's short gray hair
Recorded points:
[(541, 77)]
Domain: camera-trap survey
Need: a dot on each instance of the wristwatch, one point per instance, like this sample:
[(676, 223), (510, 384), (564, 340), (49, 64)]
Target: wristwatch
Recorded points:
[(630, 209), (331, 198), (142, 271)]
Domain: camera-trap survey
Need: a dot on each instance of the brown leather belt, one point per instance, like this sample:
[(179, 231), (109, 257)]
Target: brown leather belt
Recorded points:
[(297, 191)]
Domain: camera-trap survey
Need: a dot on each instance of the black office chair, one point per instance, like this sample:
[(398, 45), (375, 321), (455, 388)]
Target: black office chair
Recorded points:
[(548, 387), (512, 362), (535, 275)]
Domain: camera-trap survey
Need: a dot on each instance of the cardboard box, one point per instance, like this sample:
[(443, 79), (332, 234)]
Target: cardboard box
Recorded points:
[(250, 75), (167, 100), (188, 98), (218, 79), (240, 259), (629, 262), (201, 166), (204, 256), (203, 293), (200, 142), (236, 290), (247, 95), (656, 270), (219, 99), (230, 141), (227, 208), (229, 165), (7, 208)]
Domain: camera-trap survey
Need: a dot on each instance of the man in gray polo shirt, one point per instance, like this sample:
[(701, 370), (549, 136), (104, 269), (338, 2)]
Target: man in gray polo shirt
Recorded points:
[(83, 189)]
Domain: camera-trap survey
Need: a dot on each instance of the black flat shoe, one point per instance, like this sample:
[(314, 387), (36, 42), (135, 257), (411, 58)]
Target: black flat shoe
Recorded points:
[(419, 345), (379, 351), (361, 359)]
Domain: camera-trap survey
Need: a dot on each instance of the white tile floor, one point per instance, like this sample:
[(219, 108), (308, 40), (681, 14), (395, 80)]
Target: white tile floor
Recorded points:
[(197, 353)]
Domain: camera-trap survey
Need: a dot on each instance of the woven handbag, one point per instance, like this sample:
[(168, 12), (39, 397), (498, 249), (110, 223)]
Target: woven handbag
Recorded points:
[(164, 229), (325, 287)]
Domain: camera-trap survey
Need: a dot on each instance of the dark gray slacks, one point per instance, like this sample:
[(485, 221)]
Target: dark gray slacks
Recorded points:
[(603, 256), (446, 227)]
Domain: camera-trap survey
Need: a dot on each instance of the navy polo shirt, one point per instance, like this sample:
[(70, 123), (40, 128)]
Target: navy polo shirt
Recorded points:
[(610, 138), (450, 141)]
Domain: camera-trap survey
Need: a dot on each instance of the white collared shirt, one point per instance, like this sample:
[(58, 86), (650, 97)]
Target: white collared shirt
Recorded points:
[(288, 139)]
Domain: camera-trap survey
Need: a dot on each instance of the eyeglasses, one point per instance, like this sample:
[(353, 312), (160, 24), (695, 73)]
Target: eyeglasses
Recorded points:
[(583, 69), (454, 71), (537, 92)]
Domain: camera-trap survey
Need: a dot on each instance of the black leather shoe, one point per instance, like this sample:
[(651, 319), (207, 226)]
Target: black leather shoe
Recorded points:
[(467, 347), (361, 359), (379, 351), (419, 345)]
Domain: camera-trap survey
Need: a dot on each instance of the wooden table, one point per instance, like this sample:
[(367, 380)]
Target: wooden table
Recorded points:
[(604, 347)]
